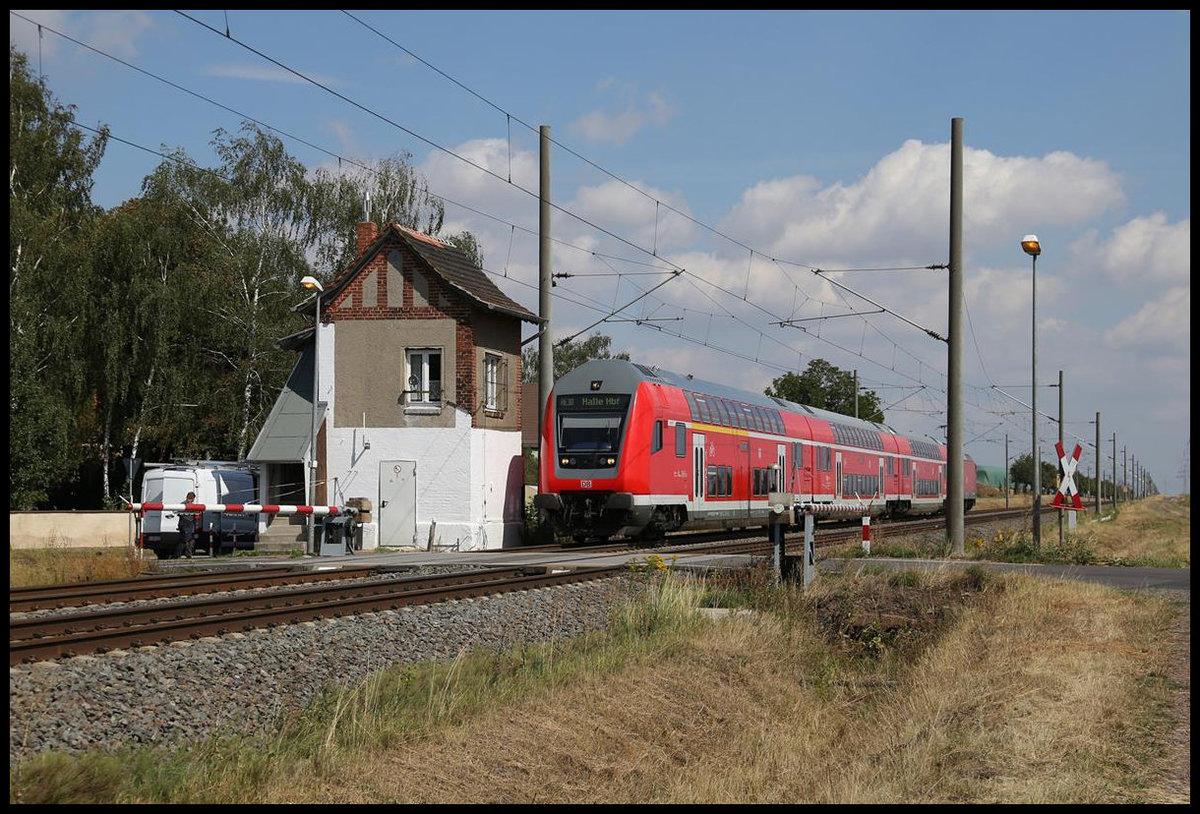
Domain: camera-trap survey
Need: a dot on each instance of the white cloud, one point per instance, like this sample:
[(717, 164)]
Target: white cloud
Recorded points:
[(1162, 326), (115, 32), (1144, 250), (618, 127), (899, 211), (264, 73), (629, 210)]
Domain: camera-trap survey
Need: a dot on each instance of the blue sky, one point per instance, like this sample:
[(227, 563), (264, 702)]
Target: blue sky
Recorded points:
[(788, 140)]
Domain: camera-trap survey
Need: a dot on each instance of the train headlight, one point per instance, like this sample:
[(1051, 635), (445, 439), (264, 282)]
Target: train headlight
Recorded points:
[(564, 461), (610, 461)]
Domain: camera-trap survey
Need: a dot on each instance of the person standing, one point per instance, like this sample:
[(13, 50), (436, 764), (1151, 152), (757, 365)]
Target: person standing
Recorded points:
[(189, 521)]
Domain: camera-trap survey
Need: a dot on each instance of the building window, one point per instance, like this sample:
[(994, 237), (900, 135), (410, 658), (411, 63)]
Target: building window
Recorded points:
[(424, 376), (491, 381)]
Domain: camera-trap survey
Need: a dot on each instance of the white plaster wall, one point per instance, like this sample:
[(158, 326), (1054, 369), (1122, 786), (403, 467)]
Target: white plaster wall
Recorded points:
[(497, 486), (468, 488)]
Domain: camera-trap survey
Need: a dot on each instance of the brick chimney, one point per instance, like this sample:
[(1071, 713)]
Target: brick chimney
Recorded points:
[(367, 234)]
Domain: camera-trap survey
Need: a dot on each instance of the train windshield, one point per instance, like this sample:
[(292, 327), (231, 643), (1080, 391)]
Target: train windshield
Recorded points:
[(592, 432), (592, 422)]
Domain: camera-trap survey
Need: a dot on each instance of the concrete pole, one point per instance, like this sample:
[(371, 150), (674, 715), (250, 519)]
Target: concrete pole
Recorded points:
[(1124, 473), (1006, 470), (1037, 452), (1099, 470), (1061, 532), (1114, 491), (856, 394), (312, 440), (954, 417), (545, 344)]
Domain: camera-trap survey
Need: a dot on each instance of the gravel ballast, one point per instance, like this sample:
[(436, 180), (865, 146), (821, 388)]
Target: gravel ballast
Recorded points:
[(240, 682)]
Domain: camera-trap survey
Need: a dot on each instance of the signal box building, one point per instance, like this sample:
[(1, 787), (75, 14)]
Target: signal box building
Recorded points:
[(419, 401)]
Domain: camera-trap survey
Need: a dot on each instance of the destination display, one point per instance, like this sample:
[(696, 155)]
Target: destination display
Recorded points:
[(594, 402)]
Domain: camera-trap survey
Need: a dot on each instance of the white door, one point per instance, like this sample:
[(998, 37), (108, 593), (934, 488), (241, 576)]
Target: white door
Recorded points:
[(397, 503), (781, 473), (698, 472), (837, 483)]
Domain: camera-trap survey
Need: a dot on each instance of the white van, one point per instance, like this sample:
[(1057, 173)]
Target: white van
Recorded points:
[(219, 531)]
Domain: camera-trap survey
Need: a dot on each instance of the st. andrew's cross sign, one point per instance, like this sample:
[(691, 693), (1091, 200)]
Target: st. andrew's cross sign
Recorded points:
[(1067, 485)]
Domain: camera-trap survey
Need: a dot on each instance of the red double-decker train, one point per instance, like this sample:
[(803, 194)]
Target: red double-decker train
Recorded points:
[(635, 451)]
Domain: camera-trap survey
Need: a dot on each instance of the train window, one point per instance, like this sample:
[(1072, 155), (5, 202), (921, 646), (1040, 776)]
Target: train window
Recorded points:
[(725, 481), (680, 441), (797, 455), (748, 412), (723, 412), (712, 481), (823, 458), (907, 467), (890, 466), (690, 397), (656, 441)]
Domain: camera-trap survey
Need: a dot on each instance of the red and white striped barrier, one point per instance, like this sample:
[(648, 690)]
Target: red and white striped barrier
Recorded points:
[(834, 508), (866, 538), (244, 508)]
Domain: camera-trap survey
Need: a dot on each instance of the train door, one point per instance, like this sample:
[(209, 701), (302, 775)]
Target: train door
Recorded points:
[(699, 458), (781, 471), (882, 494), (837, 483)]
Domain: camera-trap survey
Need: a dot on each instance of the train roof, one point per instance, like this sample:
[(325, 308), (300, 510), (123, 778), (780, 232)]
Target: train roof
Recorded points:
[(631, 373)]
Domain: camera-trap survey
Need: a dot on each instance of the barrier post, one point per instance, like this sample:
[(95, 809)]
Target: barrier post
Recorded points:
[(780, 503), (809, 561), (866, 534)]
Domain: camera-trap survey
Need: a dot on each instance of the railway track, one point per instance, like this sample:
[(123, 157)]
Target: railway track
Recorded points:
[(831, 532), (305, 595), (56, 636), (166, 585)]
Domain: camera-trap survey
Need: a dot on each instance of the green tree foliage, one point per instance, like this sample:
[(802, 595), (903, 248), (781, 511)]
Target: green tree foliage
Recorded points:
[(150, 330), (50, 167), (568, 356), (387, 191), (1021, 473), (826, 387)]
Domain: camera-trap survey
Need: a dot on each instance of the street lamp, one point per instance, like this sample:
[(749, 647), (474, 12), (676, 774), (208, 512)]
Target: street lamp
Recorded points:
[(314, 285), (1033, 248)]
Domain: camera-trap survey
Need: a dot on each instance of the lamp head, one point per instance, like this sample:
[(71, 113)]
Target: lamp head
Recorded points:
[(312, 284), (1031, 245)]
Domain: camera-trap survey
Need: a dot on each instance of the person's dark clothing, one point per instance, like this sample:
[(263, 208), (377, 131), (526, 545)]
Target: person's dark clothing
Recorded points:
[(189, 522)]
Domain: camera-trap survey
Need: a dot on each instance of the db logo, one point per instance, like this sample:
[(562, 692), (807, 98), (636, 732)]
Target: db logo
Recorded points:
[(585, 484)]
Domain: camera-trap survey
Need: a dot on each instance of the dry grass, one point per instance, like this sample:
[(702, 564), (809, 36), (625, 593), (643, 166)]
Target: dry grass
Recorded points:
[(57, 564), (1152, 531), (1031, 691)]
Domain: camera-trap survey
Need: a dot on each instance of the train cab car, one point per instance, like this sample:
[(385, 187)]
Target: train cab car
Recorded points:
[(632, 450)]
